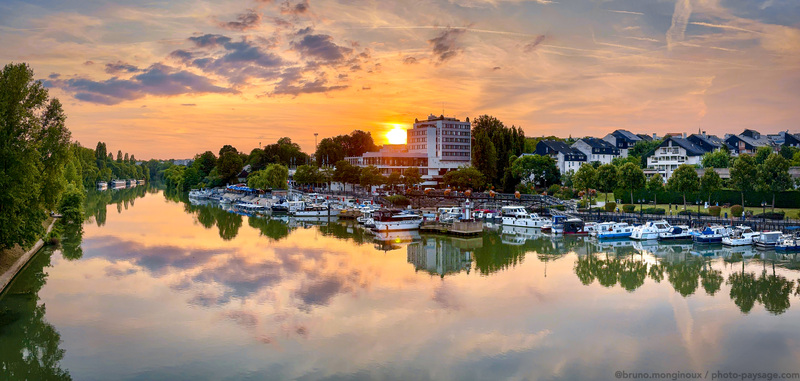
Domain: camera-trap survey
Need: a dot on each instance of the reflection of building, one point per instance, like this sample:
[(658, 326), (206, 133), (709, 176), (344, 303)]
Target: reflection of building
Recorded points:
[(441, 255), (435, 146)]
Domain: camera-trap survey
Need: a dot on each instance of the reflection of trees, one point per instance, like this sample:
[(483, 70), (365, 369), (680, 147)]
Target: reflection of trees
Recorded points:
[(71, 238), (772, 291), (97, 201), (228, 224), (584, 269), (683, 275), (632, 275), (711, 280), (629, 272), (30, 346), (346, 231), (275, 230), (495, 256), (744, 290), (656, 272)]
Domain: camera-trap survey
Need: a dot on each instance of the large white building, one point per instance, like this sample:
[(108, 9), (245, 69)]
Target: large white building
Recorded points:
[(567, 159), (672, 153), (435, 146)]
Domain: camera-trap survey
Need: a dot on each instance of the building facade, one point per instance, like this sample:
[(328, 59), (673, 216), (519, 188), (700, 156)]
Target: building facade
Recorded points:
[(567, 158), (597, 150), (623, 140), (671, 154), (435, 146)]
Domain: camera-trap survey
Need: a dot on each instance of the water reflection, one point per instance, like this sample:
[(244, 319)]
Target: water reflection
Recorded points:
[(442, 256), (30, 347), (97, 201)]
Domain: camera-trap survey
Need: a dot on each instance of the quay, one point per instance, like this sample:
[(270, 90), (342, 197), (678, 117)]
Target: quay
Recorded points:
[(458, 228)]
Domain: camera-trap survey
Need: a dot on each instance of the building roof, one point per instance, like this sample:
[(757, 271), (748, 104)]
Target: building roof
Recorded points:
[(572, 153), (691, 148), (625, 134), (600, 144), (709, 140), (645, 137)]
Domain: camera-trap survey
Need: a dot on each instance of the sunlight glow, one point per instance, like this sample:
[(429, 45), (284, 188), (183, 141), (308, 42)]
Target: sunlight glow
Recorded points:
[(397, 135)]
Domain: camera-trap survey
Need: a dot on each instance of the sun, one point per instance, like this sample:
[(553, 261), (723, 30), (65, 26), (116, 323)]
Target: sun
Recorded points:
[(397, 135)]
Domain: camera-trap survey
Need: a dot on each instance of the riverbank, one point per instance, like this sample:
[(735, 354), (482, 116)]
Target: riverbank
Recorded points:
[(14, 259)]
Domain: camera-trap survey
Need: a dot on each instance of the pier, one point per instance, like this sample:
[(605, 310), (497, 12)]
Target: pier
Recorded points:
[(458, 228)]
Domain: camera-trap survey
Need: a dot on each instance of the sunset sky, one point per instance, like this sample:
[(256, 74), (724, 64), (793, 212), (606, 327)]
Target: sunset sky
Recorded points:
[(168, 79)]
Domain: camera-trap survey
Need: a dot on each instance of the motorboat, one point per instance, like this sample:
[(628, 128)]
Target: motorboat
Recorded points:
[(449, 214), (556, 225), (767, 240), (281, 207), (789, 243), (650, 230), (572, 226), (740, 236), (389, 220), (102, 185), (518, 216), (316, 211), (199, 193), (676, 233), (516, 235), (118, 184), (613, 230), (711, 234)]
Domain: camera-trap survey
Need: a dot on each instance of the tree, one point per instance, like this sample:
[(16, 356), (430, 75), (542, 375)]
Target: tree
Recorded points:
[(306, 174), (773, 176), (762, 154), (346, 173), (744, 175), (607, 178), (710, 182), (71, 205), (465, 178), (585, 178), (126, 159), (274, 176), (227, 148), (34, 146), (258, 159), (358, 142), (394, 179), (100, 152), (119, 156), (537, 169), (643, 149), (717, 159), (631, 178), (484, 156), (229, 165), (684, 180), (412, 177), (329, 151), (507, 142), (655, 184), (788, 152), (370, 176), (205, 162)]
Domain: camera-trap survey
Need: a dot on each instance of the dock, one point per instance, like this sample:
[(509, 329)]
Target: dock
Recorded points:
[(349, 214), (459, 228)]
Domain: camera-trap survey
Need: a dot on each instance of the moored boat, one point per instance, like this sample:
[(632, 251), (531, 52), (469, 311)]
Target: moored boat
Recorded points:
[(650, 230), (740, 236), (711, 234), (676, 233), (767, 240), (389, 220), (789, 243), (613, 230), (518, 216)]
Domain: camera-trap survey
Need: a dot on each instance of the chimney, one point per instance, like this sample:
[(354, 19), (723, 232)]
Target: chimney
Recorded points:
[(655, 137), (704, 134), (684, 135)]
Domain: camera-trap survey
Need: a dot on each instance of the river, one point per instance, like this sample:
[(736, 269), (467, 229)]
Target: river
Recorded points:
[(155, 288)]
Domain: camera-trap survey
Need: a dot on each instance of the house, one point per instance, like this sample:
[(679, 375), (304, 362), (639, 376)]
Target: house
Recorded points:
[(791, 140), (623, 140), (567, 158), (242, 176), (748, 142), (647, 138), (596, 150), (708, 143), (672, 153)]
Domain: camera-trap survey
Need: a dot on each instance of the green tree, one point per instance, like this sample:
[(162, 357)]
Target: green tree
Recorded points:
[(119, 156), (71, 205), (684, 180), (484, 155), (394, 179), (34, 146), (346, 173), (642, 150), (100, 152), (788, 152), (329, 152), (607, 178), (773, 176), (370, 176), (744, 175), (229, 165), (710, 182), (585, 178), (465, 178), (507, 142), (274, 176), (412, 177), (631, 178), (717, 159), (537, 169), (205, 162), (306, 174), (762, 154)]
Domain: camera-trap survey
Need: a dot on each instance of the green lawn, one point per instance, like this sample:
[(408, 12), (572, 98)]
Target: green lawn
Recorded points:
[(790, 212)]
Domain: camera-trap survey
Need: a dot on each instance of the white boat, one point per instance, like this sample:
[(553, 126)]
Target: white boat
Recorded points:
[(711, 234), (449, 214), (740, 236), (199, 193), (676, 233), (518, 216), (389, 220), (117, 184), (515, 235), (612, 230), (316, 211), (650, 230), (102, 185), (766, 240)]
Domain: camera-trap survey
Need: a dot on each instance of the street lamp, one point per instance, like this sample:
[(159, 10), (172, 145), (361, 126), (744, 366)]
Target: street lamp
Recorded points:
[(763, 209)]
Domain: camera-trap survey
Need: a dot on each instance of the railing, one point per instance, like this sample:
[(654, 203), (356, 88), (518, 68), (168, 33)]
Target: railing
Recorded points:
[(692, 221)]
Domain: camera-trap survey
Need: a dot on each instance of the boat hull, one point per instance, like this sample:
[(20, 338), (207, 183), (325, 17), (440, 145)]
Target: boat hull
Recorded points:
[(523, 222)]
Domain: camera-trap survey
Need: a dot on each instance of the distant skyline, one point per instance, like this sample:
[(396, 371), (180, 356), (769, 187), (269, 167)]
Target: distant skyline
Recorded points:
[(171, 79)]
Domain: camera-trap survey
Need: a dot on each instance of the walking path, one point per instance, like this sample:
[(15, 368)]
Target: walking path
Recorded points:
[(8, 276)]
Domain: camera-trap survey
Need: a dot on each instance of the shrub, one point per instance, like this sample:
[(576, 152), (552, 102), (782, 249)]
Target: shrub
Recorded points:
[(737, 210), (628, 208), (771, 215), (659, 211), (53, 238), (554, 189), (398, 200), (583, 204), (610, 206), (691, 213), (714, 210), (560, 207)]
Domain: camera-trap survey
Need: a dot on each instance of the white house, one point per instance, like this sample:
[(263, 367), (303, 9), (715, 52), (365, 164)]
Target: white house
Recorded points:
[(597, 150), (567, 158), (623, 140), (672, 153)]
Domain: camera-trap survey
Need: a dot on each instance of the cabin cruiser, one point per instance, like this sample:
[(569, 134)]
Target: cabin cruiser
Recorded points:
[(571, 226), (281, 207), (711, 234), (388, 220), (449, 214), (676, 233), (518, 216), (650, 230), (766, 240), (740, 236), (555, 225), (612, 230), (316, 211), (789, 243)]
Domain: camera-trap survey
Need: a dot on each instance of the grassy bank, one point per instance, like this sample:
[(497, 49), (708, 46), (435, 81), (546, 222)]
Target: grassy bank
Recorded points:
[(9, 256), (789, 212)]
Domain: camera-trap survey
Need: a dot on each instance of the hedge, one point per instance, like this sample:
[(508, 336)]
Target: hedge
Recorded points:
[(788, 199), (610, 206), (771, 215), (714, 210), (691, 213), (737, 210), (628, 208), (660, 211)]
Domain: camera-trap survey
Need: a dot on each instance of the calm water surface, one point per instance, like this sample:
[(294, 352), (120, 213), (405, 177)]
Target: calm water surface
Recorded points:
[(161, 289)]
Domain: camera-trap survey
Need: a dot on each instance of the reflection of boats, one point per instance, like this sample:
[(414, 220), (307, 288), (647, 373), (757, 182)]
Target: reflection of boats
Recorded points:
[(711, 234), (102, 185), (767, 240), (118, 184), (676, 233), (518, 216), (517, 235), (556, 225), (387, 220), (650, 230), (740, 236), (613, 230), (443, 255)]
